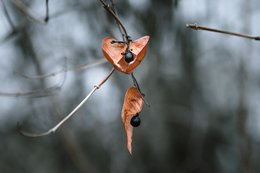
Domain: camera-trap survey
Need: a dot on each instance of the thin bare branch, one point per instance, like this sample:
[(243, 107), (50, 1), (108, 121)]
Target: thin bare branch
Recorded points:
[(36, 93), (199, 27), (52, 130), (64, 70), (118, 25), (115, 16)]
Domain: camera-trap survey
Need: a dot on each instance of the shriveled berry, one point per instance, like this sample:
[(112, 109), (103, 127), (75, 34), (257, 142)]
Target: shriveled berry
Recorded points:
[(135, 121), (129, 56)]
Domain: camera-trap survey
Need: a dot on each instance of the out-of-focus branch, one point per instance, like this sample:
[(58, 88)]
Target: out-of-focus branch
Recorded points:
[(23, 23), (76, 154), (200, 27), (71, 145), (34, 93), (243, 111), (46, 19), (65, 70)]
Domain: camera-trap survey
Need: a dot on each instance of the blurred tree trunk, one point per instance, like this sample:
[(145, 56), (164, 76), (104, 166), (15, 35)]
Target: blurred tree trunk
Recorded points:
[(245, 151)]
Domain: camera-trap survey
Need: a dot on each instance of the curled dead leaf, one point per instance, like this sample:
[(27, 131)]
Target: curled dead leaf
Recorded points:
[(114, 53), (133, 104)]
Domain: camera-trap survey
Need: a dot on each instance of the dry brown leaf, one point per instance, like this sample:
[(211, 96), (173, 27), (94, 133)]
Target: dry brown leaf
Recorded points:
[(133, 104), (114, 53)]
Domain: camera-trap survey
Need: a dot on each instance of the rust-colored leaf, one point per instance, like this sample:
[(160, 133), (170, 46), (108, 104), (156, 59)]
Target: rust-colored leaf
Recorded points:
[(133, 104), (114, 53)]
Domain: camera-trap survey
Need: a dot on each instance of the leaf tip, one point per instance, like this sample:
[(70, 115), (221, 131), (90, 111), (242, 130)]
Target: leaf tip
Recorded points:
[(129, 147)]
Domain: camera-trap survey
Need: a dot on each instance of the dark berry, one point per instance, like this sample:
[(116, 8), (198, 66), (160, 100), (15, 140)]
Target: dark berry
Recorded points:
[(129, 56), (135, 121)]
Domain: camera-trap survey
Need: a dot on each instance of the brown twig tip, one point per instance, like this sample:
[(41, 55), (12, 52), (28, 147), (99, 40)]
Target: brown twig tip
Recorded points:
[(192, 26), (257, 38), (205, 28), (46, 19)]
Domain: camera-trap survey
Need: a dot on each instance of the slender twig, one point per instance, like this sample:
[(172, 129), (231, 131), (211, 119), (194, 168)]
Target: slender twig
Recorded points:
[(36, 93), (118, 25), (7, 15), (108, 8), (64, 70), (46, 19), (199, 27), (52, 130)]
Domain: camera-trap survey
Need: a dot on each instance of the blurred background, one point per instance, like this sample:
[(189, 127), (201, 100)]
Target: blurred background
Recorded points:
[(203, 88)]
